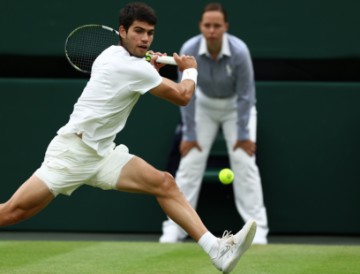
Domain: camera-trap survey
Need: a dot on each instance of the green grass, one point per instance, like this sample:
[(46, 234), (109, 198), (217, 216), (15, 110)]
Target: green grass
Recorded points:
[(150, 257)]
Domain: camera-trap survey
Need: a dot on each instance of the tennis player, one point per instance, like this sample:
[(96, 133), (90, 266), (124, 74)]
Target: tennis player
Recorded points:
[(83, 151)]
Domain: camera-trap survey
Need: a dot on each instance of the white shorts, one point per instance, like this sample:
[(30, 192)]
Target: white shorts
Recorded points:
[(70, 163)]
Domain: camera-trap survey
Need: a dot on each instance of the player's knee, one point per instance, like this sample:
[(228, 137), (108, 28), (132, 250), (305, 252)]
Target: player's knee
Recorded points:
[(168, 185)]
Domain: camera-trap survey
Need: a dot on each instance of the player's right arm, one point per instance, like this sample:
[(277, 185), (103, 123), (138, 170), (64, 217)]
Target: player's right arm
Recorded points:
[(179, 93)]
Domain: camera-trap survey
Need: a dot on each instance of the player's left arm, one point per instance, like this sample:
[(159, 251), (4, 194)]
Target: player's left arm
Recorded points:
[(179, 93)]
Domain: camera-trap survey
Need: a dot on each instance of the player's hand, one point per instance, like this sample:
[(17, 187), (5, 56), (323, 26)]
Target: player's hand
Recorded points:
[(155, 56), (185, 61), (186, 146), (248, 146)]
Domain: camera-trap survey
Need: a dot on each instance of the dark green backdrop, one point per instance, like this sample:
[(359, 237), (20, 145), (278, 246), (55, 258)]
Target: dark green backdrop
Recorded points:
[(275, 28), (308, 146)]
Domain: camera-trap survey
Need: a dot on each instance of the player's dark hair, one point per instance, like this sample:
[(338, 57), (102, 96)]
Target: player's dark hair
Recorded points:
[(215, 7), (136, 11)]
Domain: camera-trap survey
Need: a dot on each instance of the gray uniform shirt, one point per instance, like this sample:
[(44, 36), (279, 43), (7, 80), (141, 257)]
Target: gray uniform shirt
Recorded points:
[(230, 75)]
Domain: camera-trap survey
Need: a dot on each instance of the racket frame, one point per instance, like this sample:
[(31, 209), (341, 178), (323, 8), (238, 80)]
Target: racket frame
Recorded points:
[(169, 60)]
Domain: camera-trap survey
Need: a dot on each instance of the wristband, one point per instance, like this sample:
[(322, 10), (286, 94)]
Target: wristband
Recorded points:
[(191, 74)]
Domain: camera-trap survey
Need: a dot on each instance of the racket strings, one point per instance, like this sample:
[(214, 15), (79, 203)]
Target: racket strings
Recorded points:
[(85, 44)]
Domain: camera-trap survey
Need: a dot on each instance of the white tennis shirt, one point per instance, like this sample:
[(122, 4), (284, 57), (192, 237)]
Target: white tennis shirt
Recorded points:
[(116, 83)]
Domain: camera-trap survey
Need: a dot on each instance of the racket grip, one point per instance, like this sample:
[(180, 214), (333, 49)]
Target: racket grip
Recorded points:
[(169, 60)]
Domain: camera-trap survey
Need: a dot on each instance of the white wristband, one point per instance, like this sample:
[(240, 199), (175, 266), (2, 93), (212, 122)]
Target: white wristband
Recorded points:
[(191, 74)]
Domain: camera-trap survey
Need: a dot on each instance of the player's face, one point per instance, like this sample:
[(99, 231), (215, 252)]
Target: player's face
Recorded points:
[(213, 26), (138, 38)]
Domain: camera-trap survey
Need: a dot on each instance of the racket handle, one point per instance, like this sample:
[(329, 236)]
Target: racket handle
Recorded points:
[(169, 60)]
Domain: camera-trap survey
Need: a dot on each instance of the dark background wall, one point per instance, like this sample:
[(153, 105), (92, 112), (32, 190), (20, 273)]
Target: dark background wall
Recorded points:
[(272, 29), (306, 59)]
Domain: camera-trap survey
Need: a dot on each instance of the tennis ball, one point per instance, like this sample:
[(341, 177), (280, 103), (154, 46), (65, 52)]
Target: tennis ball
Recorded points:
[(226, 176)]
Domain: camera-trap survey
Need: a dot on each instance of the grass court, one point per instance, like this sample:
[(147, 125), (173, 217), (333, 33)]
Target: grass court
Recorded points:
[(110, 257)]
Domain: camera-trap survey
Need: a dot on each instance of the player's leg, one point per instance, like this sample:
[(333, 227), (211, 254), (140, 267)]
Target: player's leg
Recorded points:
[(139, 176), (247, 183), (188, 177), (190, 173), (30, 198)]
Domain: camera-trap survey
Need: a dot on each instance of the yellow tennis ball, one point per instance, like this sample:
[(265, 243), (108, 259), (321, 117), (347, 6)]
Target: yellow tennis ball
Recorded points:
[(226, 176)]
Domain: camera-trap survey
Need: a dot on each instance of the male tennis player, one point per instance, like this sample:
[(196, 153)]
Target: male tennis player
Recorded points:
[(83, 152)]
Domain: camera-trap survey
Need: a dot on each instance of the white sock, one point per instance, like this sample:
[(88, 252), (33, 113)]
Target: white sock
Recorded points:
[(209, 243)]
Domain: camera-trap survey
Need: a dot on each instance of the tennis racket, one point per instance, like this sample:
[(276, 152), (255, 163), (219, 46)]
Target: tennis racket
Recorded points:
[(84, 44)]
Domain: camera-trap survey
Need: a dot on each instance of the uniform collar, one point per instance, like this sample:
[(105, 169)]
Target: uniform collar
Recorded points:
[(225, 48)]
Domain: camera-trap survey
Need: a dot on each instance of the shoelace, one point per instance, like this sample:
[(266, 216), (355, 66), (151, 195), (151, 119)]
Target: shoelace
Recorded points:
[(227, 235), (226, 242)]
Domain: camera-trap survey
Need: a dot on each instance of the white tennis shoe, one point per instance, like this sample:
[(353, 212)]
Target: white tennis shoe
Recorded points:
[(171, 233), (232, 247)]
